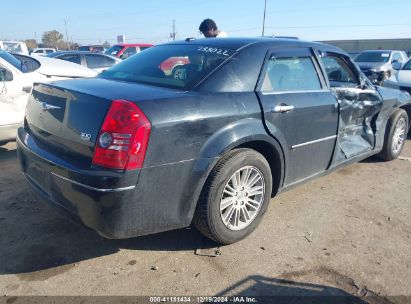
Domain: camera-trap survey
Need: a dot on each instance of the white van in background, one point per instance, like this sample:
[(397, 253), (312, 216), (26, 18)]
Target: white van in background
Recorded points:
[(16, 47)]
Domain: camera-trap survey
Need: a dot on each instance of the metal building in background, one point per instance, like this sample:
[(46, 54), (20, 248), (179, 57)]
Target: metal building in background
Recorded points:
[(403, 44)]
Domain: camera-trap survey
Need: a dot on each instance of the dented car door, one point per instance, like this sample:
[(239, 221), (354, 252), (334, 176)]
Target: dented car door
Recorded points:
[(359, 104), (297, 103)]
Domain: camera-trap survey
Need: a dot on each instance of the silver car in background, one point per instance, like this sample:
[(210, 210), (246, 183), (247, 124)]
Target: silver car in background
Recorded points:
[(377, 64)]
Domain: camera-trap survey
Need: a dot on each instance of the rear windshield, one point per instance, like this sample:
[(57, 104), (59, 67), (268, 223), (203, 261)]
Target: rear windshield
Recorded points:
[(13, 61), (173, 66), (373, 57)]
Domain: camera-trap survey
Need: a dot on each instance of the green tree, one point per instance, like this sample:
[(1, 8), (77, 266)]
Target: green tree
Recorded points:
[(31, 43), (52, 39)]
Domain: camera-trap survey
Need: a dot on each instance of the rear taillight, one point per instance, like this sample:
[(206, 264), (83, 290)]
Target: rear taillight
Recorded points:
[(123, 138)]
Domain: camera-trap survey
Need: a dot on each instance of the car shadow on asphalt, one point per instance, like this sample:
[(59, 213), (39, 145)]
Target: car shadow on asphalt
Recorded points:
[(376, 159), (6, 154), (261, 289), (37, 243)]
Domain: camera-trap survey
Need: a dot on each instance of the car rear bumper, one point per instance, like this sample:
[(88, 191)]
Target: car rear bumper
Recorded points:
[(115, 204), (8, 132)]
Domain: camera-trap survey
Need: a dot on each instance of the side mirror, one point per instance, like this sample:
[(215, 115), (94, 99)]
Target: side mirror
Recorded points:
[(5, 75), (396, 65), (394, 61)]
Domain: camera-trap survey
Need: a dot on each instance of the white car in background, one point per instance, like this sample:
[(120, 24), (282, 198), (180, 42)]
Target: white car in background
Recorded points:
[(42, 51), (402, 79), (17, 75), (98, 62)]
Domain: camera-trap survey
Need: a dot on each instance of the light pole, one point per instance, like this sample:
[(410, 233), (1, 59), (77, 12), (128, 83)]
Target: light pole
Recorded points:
[(265, 8), (67, 38)]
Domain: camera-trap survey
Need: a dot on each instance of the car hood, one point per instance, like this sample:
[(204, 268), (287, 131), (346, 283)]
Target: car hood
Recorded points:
[(62, 68), (372, 65)]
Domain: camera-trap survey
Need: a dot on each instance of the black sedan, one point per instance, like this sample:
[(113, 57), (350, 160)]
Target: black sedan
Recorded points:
[(95, 61), (138, 151)]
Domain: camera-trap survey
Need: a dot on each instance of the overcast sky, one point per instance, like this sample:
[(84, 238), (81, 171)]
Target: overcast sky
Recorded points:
[(151, 21)]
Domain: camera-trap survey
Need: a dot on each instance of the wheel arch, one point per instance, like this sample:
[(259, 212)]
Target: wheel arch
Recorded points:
[(407, 109), (248, 133)]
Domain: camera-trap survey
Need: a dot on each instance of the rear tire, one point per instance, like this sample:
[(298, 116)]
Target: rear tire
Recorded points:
[(395, 135), (235, 197)]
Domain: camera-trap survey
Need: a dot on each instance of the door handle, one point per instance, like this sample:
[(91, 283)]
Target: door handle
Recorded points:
[(282, 109)]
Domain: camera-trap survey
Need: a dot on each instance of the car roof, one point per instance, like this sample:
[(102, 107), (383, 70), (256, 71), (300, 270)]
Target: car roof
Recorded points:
[(81, 52), (380, 51), (92, 45), (133, 44), (239, 43)]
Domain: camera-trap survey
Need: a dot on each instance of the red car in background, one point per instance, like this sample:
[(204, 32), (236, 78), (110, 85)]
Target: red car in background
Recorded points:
[(125, 50)]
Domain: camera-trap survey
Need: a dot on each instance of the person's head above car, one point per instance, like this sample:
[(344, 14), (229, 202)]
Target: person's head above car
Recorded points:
[(209, 29)]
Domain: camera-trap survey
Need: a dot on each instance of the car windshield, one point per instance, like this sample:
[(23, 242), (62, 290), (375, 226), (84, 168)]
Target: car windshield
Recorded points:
[(373, 57), (12, 47), (407, 66), (12, 60), (114, 50), (173, 66)]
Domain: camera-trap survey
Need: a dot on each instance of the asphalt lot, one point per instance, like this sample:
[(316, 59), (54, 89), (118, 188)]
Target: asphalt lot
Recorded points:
[(346, 233)]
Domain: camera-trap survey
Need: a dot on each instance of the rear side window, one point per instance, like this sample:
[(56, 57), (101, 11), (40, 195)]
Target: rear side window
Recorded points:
[(109, 61), (95, 62), (49, 51), (339, 73), (72, 58), (291, 74)]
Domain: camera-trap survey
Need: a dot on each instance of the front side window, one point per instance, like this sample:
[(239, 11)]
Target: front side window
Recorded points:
[(407, 66), (339, 73), (114, 50), (291, 74), (152, 66), (396, 57)]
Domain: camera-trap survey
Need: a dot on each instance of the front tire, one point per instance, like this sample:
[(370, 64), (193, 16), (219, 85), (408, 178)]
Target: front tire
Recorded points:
[(235, 197), (395, 135)]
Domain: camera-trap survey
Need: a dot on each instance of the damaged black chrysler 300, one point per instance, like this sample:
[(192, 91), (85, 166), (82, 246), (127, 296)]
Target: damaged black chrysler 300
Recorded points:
[(203, 131)]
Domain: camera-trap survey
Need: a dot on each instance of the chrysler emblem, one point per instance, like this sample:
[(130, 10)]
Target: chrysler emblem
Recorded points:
[(45, 106)]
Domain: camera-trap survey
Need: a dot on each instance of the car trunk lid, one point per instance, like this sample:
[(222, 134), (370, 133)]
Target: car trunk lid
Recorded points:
[(64, 121), (66, 117)]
